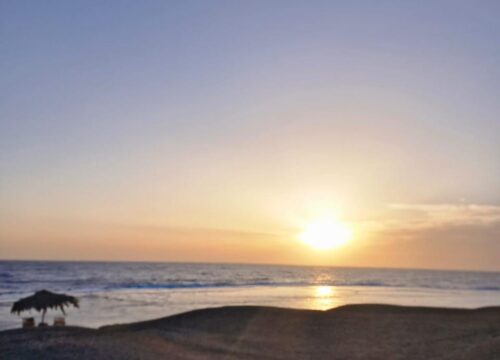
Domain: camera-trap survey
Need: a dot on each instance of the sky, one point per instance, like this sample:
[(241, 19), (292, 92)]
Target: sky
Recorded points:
[(215, 131)]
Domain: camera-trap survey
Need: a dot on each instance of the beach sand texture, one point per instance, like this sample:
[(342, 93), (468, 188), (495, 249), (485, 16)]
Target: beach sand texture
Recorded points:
[(348, 332)]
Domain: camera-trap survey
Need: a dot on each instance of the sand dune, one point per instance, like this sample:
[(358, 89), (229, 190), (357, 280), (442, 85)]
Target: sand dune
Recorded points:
[(349, 332)]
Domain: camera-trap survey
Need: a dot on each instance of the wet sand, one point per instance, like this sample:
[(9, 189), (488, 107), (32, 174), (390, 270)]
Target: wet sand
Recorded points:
[(348, 332)]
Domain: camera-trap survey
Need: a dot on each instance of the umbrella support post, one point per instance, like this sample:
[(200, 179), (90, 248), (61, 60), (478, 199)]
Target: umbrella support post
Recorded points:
[(43, 315)]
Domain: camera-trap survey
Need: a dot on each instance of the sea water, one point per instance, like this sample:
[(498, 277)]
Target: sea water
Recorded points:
[(111, 292)]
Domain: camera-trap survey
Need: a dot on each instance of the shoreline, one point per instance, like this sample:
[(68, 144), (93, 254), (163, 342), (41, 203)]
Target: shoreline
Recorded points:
[(371, 331), (127, 306)]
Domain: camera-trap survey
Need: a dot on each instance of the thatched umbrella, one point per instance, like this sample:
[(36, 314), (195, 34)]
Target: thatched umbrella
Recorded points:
[(43, 300)]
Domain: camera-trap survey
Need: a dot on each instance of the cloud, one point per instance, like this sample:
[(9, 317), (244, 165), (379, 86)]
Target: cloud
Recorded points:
[(454, 236), (446, 215), (443, 221)]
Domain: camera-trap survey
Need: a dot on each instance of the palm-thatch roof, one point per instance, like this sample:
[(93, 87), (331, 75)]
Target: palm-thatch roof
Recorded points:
[(43, 300)]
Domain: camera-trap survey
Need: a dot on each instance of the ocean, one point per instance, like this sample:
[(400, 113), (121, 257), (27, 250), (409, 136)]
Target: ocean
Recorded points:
[(111, 292)]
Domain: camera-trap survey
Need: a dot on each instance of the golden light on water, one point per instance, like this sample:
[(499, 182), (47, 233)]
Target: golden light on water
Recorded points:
[(325, 234), (323, 291), (323, 297)]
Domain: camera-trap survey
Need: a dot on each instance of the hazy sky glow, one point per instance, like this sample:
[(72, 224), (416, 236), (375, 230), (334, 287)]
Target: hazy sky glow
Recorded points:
[(216, 130)]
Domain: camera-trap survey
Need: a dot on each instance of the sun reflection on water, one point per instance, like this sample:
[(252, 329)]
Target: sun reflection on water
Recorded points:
[(323, 297)]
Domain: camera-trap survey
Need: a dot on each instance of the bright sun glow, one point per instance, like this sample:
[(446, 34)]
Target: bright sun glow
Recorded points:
[(326, 234)]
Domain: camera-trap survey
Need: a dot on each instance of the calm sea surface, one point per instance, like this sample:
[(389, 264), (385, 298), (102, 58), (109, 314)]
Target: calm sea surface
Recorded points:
[(124, 292)]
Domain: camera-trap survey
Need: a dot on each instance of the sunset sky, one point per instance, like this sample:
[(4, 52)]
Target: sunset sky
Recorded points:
[(216, 131)]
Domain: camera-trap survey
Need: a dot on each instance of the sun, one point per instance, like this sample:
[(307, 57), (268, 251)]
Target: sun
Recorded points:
[(325, 234)]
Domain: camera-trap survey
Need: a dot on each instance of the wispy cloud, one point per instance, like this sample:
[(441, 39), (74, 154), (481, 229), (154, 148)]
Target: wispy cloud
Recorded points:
[(406, 220), (437, 215), (436, 236)]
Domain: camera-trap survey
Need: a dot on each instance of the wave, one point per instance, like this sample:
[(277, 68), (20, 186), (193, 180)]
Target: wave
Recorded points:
[(196, 285), (233, 284), (91, 287), (487, 288), (370, 283)]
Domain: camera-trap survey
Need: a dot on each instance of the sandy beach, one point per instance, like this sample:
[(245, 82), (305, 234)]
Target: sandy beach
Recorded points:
[(348, 332)]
